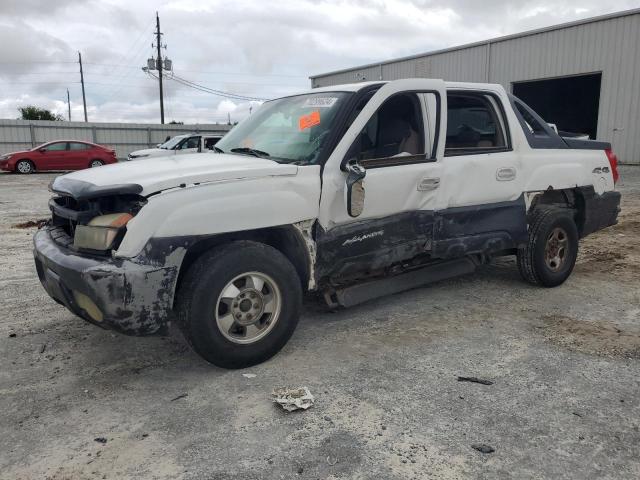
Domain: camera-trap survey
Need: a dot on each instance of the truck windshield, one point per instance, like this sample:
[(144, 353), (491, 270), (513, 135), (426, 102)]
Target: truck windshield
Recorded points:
[(172, 142), (288, 130)]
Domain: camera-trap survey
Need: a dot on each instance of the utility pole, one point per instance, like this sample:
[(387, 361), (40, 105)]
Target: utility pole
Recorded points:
[(159, 61), (84, 100), (69, 104)]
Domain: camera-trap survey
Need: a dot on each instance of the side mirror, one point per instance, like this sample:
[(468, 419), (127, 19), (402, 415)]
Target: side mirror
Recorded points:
[(355, 188)]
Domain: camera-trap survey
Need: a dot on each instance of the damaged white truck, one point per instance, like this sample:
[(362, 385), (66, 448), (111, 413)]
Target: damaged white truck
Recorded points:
[(353, 191)]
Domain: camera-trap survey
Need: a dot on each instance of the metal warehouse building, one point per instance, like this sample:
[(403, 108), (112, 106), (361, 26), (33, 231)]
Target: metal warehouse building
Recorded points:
[(584, 76)]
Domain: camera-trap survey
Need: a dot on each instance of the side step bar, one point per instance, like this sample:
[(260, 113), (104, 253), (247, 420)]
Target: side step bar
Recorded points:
[(363, 292)]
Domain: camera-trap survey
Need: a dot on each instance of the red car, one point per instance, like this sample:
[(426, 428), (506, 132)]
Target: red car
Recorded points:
[(58, 155)]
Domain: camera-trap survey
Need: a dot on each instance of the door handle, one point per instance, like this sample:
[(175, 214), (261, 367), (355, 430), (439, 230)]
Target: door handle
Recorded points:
[(428, 183), (506, 174)]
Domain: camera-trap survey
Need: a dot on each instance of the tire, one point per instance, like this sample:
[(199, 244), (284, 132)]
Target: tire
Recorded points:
[(552, 247), (95, 163), (204, 304), (25, 167)]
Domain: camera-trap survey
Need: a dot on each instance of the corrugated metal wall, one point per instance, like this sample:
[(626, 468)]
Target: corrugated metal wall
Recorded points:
[(18, 135), (610, 45)]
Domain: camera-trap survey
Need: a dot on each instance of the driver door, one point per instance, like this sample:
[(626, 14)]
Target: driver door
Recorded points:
[(52, 157), (397, 141)]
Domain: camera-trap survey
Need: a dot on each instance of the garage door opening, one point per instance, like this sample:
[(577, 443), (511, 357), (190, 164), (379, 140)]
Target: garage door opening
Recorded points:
[(569, 102)]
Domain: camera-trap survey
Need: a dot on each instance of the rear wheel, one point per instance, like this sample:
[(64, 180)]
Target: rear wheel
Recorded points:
[(25, 166), (552, 248), (239, 304), (95, 163)]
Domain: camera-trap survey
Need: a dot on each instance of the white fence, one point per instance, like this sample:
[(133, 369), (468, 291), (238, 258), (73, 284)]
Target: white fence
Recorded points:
[(18, 135)]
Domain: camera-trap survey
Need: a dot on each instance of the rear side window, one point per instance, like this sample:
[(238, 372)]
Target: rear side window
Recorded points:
[(475, 124), (56, 147), (78, 146)]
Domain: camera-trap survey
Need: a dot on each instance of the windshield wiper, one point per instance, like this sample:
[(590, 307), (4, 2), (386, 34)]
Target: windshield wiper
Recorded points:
[(217, 149), (250, 151)]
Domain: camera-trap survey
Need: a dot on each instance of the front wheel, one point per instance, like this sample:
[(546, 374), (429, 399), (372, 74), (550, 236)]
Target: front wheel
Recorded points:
[(239, 304), (25, 167), (96, 163), (552, 248)]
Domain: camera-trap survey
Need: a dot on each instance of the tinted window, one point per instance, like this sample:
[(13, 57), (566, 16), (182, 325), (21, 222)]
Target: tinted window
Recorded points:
[(473, 124), (395, 130), (56, 147), (210, 142), (78, 146), (191, 142)]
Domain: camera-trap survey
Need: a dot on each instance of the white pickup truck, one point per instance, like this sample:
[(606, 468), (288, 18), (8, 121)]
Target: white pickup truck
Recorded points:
[(178, 145), (454, 175)]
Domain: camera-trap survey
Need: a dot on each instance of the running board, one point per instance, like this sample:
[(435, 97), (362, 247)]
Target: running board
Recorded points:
[(363, 292)]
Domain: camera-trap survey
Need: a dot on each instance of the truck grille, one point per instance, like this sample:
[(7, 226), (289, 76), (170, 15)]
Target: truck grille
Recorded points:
[(67, 213)]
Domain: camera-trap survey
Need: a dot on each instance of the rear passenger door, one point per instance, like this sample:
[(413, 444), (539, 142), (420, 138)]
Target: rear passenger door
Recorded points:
[(481, 178), (78, 156)]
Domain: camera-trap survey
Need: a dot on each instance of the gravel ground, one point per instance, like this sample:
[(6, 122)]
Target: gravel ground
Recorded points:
[(564, 403)]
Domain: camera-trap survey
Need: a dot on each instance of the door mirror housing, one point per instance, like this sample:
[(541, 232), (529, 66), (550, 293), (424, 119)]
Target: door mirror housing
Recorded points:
[(355, 188)]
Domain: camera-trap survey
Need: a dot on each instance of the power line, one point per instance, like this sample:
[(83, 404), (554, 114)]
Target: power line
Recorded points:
[(212, 91)]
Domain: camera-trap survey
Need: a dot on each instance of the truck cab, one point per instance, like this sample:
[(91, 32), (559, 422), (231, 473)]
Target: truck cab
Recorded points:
[(353, 191)]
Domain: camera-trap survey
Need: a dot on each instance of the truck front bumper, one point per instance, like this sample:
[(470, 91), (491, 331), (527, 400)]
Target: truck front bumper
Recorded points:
[(117, 294)]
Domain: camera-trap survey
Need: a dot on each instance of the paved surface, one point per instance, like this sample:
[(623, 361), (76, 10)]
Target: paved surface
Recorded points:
[(565, 402)]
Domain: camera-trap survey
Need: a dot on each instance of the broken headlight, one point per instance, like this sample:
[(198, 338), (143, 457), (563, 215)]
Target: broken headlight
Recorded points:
[(101, 232)]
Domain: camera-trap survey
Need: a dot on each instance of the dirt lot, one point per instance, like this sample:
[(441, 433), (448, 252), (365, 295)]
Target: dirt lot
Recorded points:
[(564, 362)]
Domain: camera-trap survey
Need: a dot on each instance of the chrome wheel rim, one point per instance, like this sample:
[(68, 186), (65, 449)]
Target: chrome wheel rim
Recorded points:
[(24, 167), (556, 249), (96, 163), (248, 308)]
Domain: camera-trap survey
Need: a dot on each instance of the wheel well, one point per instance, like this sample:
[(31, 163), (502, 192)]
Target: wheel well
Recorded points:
[(571, 198), (285, 239)]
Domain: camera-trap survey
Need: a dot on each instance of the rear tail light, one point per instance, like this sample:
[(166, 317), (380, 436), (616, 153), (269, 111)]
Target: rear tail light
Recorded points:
[(613, 161)]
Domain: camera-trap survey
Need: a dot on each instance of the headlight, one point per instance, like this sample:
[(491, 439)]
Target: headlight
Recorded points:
[(5, 157), (101, 231), (142, 155)]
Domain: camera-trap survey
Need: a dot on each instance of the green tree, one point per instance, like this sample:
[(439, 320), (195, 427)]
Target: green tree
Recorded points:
[(31, 112)]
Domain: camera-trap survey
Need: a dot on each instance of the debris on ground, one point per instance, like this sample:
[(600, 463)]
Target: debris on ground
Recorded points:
[(482, 448), (249, 375), (12, 335), (31, 224), (293, 398), (101, 440), (180, 396), (332, 460), (43, 348), (475, 380)]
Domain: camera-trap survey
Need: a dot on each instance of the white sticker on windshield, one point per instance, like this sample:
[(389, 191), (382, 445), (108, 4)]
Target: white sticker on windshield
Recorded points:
[(320, 102)]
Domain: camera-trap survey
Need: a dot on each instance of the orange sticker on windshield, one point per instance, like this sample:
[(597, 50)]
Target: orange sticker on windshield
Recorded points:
[(308, 121)]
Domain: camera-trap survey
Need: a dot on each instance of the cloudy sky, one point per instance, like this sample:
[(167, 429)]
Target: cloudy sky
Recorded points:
[(261, 49)]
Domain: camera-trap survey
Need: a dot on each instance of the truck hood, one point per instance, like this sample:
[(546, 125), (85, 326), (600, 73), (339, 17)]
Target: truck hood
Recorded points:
[(145, 178), (150, 152)]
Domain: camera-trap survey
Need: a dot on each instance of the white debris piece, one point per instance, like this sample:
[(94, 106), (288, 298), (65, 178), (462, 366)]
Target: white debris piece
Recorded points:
[(249, 375), (293, 398)]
